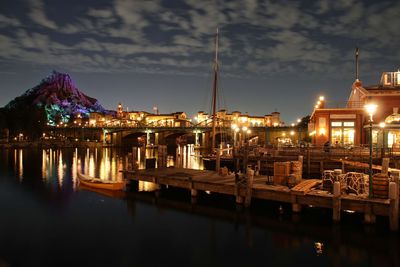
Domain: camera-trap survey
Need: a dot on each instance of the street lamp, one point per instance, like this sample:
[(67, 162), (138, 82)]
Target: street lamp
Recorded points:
[(235, 136), (371, 109), (382, 126)]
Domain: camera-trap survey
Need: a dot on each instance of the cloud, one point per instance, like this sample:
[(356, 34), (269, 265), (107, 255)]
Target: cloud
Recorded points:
[(256, 37), (100, 13), (7, 21), (38, 14)]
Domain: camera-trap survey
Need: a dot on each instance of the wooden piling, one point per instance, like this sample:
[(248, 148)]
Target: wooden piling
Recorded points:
[(369, 216), (394, 206), (295, 206), (308, 161), (336, 205), (385, 166), (218, 160), (162, 156), (249, 187), (237, 164)]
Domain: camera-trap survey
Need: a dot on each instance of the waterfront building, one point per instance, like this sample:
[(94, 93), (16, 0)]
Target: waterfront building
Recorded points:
[(349, 125), (225, 119)]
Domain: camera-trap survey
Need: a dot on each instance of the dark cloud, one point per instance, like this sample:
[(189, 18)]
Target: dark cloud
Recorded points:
[(258, 38)]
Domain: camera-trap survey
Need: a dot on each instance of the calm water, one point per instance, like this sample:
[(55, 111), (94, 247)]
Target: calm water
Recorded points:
[(48, 220)]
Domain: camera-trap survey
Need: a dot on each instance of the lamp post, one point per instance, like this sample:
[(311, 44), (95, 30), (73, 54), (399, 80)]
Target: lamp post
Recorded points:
[(371, 109), (234, 127), (382, 126), (244, 129)]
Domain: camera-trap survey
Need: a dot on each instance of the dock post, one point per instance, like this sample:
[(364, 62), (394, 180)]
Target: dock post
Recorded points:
[(249, 187), (258, 168), (239, 198), (237, 164), (218, 160), (385, 166), (178, 158), (295, 206), (308, 161), (369, 217), (343, 171), (336, 206), (193, 192), (321, 167), (394, 206)]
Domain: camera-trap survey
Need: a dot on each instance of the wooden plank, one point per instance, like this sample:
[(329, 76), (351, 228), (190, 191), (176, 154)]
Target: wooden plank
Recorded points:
[(305, 186)]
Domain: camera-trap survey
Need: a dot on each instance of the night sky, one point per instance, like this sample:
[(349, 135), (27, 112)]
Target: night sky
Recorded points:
[(275, 55)]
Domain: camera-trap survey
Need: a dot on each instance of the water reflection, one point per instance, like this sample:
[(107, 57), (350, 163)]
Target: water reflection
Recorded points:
[(104, 163), (20, 165), (147, 186), (214, 228)]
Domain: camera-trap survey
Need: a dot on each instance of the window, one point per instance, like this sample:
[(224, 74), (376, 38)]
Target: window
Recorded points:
[(348, 123), (342, 132)]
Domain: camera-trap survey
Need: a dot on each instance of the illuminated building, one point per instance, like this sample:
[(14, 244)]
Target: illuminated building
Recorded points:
[(226, 119), (348, 125)]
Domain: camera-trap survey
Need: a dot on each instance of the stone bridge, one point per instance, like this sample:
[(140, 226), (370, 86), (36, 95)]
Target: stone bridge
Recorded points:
[(198, 135)]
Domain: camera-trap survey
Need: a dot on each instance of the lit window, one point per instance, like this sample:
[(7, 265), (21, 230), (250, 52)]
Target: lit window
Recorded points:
[(336, 123), (398, 78), (348, 123)]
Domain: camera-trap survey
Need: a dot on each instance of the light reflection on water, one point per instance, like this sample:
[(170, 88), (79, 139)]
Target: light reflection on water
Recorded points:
[(104, 163), (265, 238)]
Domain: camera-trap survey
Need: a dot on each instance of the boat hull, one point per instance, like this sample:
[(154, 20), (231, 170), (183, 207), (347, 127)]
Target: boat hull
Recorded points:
[(83, 179)]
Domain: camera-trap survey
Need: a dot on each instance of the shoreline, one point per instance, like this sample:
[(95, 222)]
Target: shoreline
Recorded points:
[(52, 144)]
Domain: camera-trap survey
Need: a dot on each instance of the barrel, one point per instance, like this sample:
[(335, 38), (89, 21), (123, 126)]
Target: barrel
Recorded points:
[(380, 185), (327, 180), (297, 170)]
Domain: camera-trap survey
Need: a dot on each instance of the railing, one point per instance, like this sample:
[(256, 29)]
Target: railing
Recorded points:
[(348, 104)]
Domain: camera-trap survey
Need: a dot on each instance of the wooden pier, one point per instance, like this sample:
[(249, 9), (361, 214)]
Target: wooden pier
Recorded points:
[(305, 193)]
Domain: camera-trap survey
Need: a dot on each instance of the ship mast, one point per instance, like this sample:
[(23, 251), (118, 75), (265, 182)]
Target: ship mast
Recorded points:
[(215, 86), (357, 74)]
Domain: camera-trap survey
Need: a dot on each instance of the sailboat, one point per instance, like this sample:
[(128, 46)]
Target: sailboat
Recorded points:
[(209, 160)]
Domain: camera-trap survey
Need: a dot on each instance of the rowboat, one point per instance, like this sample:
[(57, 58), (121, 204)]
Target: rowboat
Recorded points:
[(99, 183), (108, 193)]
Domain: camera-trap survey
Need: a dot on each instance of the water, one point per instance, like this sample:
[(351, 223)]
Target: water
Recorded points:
[(48, 220)]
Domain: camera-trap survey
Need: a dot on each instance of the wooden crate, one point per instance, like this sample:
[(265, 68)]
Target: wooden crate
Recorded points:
[(281, 172)]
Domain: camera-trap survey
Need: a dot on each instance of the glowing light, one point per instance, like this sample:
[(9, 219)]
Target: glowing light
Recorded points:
[(234, 126), (291, 132), (321, 98), (322, 131), (371, 109), (318, 247), (382, 124)]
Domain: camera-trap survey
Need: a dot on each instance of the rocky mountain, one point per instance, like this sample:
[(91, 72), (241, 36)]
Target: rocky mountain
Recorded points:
[(58, 96)]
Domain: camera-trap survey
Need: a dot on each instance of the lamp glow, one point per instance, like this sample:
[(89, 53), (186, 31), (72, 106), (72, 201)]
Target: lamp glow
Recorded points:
[(371, 109)]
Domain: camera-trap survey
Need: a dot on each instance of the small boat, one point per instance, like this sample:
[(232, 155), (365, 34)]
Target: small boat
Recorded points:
[(99, 183), (108, 193)]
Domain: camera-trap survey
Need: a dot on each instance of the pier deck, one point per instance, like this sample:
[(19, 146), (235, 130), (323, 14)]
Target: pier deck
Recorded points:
[(304, 193)]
